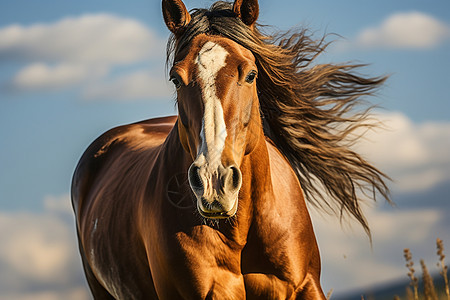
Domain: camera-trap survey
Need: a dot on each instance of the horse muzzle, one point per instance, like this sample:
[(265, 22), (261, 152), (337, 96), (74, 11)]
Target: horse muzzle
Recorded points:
[(216, 189)]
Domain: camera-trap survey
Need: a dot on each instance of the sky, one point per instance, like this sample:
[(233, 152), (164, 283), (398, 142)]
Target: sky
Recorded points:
[(70, 70)]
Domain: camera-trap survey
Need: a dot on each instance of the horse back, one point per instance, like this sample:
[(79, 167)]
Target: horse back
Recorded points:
[(143, 137)]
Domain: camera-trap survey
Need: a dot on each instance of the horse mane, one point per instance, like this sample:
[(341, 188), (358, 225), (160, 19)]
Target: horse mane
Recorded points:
[(308, 111)]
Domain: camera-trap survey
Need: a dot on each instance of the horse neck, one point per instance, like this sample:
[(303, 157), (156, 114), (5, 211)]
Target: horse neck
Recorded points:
[(172, 156), (256, 183)]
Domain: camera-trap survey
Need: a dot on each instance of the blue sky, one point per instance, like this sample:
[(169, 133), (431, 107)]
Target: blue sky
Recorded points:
[(71, 70)]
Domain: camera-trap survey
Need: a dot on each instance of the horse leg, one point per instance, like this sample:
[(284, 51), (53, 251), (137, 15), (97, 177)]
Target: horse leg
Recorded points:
[(311, 289), (264, 286), (226, 285)]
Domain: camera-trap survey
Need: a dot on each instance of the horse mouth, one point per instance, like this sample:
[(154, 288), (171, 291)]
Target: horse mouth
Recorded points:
[(216, 213)]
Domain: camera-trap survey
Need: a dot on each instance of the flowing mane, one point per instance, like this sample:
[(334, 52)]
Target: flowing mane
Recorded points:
[(308, 111)]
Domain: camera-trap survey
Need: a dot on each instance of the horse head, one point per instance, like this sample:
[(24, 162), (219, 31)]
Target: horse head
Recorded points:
[(218, 110)]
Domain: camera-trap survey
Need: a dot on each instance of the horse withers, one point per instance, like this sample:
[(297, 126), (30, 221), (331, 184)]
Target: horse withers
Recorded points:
[(208, 204)]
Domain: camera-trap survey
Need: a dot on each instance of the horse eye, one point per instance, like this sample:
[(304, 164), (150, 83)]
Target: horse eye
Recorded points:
[(251, 77), (176, 82)]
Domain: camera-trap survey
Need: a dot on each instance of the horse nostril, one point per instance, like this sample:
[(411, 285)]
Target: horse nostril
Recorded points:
[(236, 177), (194, 178)]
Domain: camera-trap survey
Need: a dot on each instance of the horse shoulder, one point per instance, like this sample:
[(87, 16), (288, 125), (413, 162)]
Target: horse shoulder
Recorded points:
[(288, 196), (284, 179)]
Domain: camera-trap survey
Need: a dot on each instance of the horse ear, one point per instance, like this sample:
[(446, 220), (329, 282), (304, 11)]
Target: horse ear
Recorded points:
[(247, 11), (175, 15)]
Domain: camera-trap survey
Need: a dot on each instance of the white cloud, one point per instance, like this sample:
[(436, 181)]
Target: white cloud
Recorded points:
[(39, 76), (33, 252), (411, 30), (39, 255), (133, 86), (79, 50), (99, 39), (68, 294), (348, 260), (416, 156), (60, 205)]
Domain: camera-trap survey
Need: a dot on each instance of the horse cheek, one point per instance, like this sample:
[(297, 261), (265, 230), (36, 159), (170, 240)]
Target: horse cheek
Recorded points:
[(183, 137)]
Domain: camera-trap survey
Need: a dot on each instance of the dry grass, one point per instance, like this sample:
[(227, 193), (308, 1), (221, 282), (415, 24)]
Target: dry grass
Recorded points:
[(411, 273), (428, 285), (442, 266), (429, 290)]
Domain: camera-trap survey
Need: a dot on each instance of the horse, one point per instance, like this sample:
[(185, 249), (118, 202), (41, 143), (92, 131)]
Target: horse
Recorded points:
[(212, 203)]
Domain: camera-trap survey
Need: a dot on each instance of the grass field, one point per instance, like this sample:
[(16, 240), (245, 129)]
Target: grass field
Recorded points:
[(414, 287)]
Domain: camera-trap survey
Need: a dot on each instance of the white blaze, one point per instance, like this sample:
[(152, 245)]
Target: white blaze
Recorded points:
[(210, 60)]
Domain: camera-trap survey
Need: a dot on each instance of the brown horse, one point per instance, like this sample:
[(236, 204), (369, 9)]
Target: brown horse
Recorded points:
[(208, 204)]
